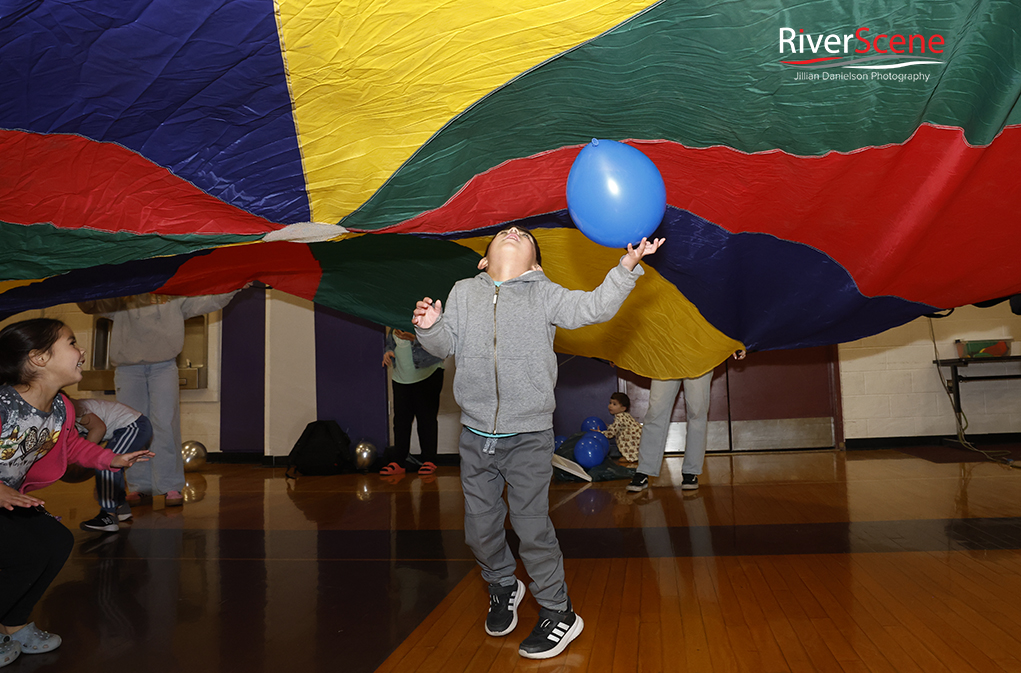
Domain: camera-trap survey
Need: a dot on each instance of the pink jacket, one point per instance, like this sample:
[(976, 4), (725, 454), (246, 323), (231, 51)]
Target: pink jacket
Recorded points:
[(70, 448)]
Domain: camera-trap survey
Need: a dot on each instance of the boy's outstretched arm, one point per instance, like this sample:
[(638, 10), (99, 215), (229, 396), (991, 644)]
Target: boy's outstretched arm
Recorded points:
[(571, 309), (634, 255)]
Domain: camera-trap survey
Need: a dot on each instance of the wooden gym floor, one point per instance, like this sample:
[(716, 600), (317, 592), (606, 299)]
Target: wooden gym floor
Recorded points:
[(869, 561)]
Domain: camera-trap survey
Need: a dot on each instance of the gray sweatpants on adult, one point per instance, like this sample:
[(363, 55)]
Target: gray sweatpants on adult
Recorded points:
[(524, 463), (155, 391), (662, 395)]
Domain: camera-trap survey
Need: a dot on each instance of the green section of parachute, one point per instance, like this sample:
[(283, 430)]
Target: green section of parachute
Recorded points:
[(380, 277), (707, 73), (43, 250)]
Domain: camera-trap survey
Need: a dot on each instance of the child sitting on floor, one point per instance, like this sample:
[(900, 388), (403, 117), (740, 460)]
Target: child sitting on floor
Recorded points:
[(626, 430)]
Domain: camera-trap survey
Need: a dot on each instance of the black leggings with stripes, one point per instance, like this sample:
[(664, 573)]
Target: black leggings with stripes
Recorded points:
[(110, 484)]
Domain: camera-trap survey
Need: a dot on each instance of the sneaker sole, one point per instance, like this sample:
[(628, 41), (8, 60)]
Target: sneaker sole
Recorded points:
[(689, 487), (572, 633), (637, 489), (514, 611), (101, 529)]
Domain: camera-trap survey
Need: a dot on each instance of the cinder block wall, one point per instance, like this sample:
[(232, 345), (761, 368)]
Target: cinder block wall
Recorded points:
[(890, 387)]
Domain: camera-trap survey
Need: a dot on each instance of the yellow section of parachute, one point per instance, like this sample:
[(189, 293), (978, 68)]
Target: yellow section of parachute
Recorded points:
[(657, 333), (371, 81)]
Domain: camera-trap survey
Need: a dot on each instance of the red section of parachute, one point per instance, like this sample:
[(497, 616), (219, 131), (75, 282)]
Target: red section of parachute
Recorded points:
[(73, 182), (289, 267), (896, 217), (510, 191)]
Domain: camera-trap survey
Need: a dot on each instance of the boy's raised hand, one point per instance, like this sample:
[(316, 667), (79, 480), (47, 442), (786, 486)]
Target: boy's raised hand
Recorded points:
[(426, 313), (634, 255)]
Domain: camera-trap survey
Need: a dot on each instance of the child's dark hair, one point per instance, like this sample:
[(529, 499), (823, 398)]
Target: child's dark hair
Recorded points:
[(18, 340), (535, 243), (624, 400)]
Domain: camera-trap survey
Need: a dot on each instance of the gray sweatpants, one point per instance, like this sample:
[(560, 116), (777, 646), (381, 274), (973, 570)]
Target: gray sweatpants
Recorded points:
[(524, 463), (656, 425), (155, 391)]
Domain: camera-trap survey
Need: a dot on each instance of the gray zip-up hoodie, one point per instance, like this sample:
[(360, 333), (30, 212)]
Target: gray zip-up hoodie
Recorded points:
[(502, 342)]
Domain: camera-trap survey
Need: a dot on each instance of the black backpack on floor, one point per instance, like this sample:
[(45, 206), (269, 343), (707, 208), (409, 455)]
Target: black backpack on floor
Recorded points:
[(323, 448)]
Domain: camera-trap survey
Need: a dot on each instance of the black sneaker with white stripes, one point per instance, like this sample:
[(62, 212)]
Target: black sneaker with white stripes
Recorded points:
[(503, 608), (554, 632), (639, 483), (104, 522)]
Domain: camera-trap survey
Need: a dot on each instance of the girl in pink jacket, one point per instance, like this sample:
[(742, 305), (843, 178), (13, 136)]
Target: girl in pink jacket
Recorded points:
[(37, 441)]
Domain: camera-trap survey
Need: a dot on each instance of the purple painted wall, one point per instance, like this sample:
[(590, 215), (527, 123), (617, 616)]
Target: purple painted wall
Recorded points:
[(243, 373), (350, 378), (583, 389)]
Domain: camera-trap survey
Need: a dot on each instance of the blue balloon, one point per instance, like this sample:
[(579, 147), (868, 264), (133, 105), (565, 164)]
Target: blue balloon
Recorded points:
[(593, 423), (604, 442), (588, 452), (557, 441), (615, 194)]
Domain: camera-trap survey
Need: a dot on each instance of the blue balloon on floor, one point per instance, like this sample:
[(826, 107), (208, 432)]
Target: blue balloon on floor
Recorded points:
[(587, 451), (604, 442), (593, 423), (557, 441), (615, 194)]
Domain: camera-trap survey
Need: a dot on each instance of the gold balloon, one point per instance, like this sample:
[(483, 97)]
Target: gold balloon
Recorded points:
[(194, 456), (365, 455)]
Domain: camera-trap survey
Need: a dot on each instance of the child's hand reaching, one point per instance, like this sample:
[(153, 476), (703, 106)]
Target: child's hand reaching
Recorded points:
[(10, 498), (634, 255), (427, 313), (129, 459)]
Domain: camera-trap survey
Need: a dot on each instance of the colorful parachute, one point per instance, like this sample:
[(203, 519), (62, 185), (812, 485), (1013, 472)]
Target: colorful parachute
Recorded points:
[(832, 171)]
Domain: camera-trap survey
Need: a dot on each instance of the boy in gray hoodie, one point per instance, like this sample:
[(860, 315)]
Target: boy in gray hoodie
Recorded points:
[(500, 326)]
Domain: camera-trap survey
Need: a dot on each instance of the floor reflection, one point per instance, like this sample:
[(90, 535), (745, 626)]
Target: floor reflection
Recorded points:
[(258, 573)]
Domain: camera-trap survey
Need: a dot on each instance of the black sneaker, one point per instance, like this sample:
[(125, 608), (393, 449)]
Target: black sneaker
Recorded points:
[(689, 482), (104, 522), (554, 632), (503, 608), (124, 512), (639, 482)]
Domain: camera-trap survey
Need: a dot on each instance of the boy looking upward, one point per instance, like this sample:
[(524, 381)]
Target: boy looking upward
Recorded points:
[(499, 325)]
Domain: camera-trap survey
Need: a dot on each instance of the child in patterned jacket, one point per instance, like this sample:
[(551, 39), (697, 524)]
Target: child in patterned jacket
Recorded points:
[(625, 429)]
